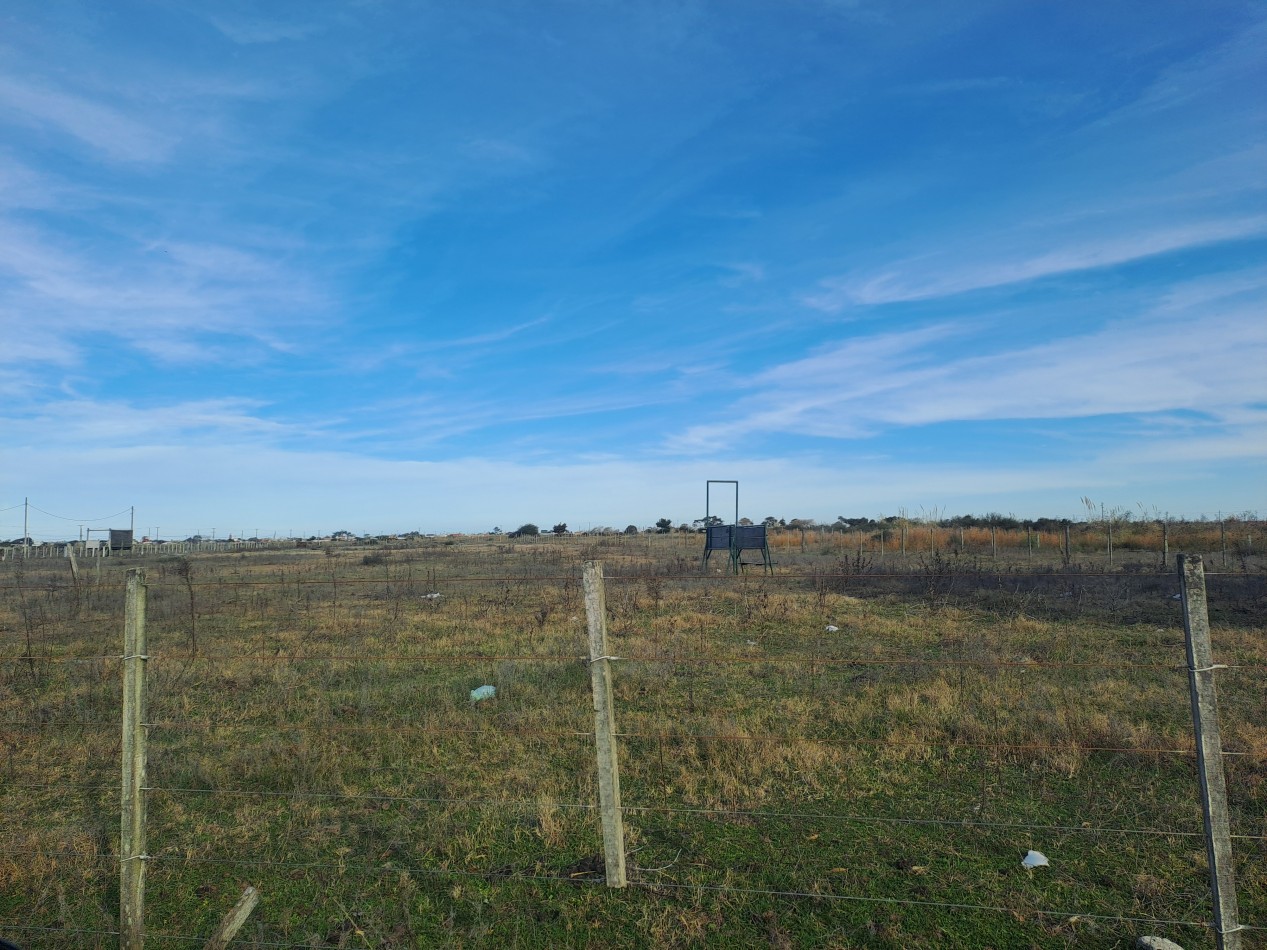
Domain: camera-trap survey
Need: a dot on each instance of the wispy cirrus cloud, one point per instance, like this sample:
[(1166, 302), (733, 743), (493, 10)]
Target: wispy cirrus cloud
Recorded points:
[(106, 129), (148, 292), (1182, 355), (250, 30), (1235, 65), (82, 421), (944, 275)]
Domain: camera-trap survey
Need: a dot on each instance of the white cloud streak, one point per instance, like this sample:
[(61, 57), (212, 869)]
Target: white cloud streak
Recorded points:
[(942, 275), (108, 130), (1163, 361), (87, 422), (161, 298)]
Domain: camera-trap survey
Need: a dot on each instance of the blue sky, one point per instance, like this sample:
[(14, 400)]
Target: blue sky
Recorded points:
[(380, 266)]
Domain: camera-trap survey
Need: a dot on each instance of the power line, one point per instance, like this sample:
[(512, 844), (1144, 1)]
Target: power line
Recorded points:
[(80, 520)]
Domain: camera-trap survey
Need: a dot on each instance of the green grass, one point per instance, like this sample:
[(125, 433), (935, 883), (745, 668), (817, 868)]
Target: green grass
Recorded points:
[(784, 786)]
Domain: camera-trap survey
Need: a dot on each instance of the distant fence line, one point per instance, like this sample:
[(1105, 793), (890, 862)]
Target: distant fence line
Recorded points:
[(1226, 538), (1077, 538), (68, 549)]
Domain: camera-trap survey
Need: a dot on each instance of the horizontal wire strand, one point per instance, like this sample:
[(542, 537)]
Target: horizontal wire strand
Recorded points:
[(343, 868), (475, 802), (656, 809), (918, 903), (312, 580), (769, 660), (29, 928), (941, 822), (943, 743), (365, 868)]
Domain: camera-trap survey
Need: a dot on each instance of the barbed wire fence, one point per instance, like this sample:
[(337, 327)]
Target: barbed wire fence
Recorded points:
[(597, 793)]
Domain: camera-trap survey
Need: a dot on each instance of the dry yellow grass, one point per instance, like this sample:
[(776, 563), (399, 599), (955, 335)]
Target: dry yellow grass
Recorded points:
[(330, 696)]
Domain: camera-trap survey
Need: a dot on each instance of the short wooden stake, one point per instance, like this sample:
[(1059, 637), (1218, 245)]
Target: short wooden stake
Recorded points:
[(604, 726), (1205, 724), (233, 920), (132, 854)]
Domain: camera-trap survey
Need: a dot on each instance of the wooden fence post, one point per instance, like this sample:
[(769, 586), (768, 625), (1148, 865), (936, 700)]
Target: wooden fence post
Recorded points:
[(232, 922), (604, 726), (1205, 724), (132, 854)]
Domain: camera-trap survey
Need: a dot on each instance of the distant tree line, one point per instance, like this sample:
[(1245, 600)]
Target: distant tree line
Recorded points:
[(865, 523)]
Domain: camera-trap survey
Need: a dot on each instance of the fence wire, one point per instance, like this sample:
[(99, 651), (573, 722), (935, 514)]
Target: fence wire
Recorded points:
[(460, 593)]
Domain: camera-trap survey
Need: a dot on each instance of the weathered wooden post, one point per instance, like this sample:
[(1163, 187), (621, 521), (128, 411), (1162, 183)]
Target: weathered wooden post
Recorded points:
[(1205, 724), (232, 922), (604, 726), (132, 854)]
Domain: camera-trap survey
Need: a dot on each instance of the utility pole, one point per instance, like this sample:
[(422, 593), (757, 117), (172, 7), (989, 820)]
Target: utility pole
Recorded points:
[(26, 533)]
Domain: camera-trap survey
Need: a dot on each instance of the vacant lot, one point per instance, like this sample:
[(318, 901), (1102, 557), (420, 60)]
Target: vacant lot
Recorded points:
[(785, 784)]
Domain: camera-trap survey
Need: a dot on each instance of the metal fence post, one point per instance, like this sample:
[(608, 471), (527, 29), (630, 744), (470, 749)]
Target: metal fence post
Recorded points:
[(604, 726), (132, 826), (1205, 724)]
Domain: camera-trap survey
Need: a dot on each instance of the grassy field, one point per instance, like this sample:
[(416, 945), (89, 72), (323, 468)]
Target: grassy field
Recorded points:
[(784, 785)]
